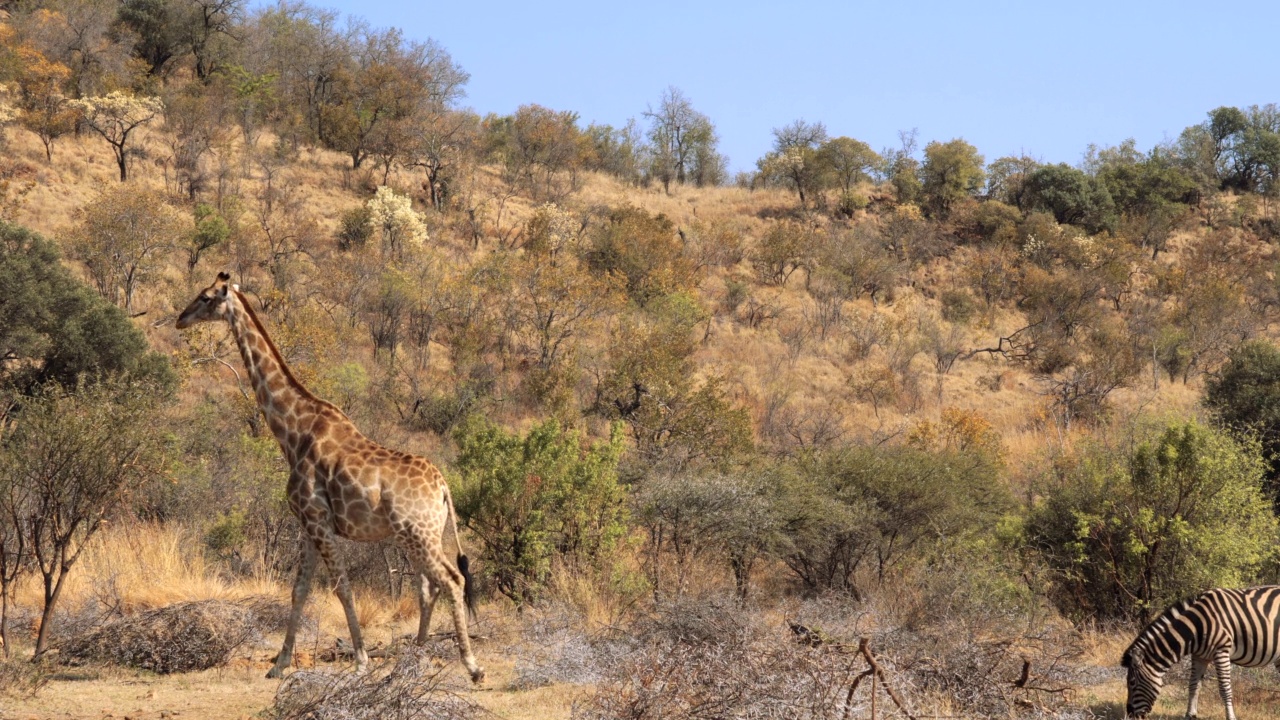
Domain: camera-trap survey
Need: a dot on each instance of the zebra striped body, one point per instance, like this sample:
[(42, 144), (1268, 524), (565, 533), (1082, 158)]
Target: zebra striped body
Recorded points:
[(1219, 626)]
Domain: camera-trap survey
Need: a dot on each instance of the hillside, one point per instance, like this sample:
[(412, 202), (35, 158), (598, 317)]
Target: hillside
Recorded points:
[(703, 436)]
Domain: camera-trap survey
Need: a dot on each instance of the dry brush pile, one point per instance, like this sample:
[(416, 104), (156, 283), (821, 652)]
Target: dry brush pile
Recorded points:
[(182, 637)]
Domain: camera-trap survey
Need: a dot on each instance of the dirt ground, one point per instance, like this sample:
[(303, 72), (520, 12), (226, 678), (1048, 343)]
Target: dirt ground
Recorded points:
[(239, 691)]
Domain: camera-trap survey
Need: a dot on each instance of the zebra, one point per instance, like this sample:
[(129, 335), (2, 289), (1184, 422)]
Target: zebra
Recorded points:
[(1221, 626)]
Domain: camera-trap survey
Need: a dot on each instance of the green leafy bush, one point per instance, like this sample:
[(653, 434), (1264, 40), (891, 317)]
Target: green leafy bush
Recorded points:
[(55, 329), (856, 515), (1129, 532), (547, 495), (1245, 396)]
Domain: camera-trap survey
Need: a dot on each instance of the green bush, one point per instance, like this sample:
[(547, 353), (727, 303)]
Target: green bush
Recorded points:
[(1244, 395), (859, 514), (1129, 532), (547, 495), (54, 328)]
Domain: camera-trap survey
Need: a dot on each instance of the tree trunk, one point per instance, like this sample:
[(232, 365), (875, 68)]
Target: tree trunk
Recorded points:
[(121, 162), (52, 591), (4, 618)]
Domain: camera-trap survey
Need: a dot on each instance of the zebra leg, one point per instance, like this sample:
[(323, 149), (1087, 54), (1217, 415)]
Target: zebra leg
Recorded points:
[(1222, 666), (1198, 668)]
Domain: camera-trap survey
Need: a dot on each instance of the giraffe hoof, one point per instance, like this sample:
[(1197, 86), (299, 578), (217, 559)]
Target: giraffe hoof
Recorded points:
[(274, 673), (477, 675)]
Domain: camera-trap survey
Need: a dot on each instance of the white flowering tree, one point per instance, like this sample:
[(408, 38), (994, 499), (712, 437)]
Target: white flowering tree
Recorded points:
[(392, 217), (115, 116)]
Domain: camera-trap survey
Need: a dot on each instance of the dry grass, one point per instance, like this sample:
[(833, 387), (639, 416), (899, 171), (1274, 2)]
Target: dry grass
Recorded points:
[(134, 567)]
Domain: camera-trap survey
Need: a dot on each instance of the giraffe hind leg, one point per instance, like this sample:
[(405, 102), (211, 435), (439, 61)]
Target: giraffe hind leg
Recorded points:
[(446, 578), (429, 593)]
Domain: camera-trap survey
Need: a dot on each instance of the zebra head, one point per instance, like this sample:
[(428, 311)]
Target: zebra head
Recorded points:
[(1144, 683)]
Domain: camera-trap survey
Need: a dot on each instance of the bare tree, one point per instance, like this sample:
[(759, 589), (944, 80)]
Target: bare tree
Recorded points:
[(682, 140)]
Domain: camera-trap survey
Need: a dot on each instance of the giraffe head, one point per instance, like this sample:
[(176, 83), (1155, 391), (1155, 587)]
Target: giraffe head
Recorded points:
[(211, 304)]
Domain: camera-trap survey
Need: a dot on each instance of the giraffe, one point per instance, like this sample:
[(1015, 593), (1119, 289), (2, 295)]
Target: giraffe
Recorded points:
[(341, 484)]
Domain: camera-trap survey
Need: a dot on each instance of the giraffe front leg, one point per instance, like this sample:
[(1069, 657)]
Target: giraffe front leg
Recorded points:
[(328, 547), (428, 593), (1222, 666), (301, 588), (1198, 668)]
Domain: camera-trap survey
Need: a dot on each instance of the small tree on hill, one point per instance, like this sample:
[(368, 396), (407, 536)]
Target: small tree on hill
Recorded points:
[(1245, 395), (682, 141), (115, 117), (951, 171), (42, 107), (122, 238)]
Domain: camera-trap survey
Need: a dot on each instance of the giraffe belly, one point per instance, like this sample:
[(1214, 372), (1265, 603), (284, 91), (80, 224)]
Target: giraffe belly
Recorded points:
[(361, 524), (359, 516)]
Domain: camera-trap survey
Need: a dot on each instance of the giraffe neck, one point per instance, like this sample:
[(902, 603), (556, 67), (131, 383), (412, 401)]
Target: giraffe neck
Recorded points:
[(280, 396)]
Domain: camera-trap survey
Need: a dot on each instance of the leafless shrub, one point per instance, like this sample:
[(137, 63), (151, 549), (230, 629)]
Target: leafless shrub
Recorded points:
[(962, 636), (755, 312), (788, 427), (176, 638), (20, 678), (411, 687), (711, 660), (558, 648)]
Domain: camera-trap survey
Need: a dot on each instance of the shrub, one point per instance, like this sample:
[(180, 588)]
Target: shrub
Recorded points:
[(873, 509), (958, 306), (412, 687), (355, 227), (54, 328), (1130, 532), (645, 251), (710, 660), (182, 637), (534, 498), (1245, 395)]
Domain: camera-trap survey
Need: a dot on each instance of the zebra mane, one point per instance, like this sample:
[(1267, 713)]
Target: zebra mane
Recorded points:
[(1161, 626)]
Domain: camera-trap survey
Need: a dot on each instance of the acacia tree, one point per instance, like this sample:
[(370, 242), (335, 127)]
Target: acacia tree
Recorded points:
[(440, 145), (795, 160), (849, 160), (122, 237), (82, 35), (951, 171), (381, 88), (115, 117), (538, 147), (71, 457)]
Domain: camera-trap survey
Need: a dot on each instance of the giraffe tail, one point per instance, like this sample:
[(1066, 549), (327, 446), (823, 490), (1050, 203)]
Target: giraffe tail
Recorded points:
[(468, 585), (464, 565)]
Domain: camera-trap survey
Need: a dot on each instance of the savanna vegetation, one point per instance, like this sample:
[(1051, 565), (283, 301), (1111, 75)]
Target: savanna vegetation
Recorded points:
[(705, 433)]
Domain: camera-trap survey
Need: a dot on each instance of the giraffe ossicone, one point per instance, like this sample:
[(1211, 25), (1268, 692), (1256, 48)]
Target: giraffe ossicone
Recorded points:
[(342, 484)]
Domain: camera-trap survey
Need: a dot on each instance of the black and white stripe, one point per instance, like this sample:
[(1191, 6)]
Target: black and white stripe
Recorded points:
[(1219, 626)]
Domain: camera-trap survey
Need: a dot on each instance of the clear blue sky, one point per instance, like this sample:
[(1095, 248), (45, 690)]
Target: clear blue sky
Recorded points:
[(1045, 78)]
